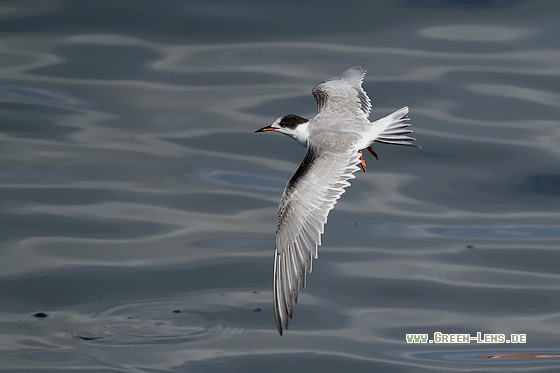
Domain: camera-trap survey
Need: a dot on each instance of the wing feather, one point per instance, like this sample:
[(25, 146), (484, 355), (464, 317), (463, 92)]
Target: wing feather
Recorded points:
[(343, 96), (309, 196)]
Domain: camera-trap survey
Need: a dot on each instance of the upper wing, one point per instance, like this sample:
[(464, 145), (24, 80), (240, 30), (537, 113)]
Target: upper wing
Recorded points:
[(309, 196), (343, 95)]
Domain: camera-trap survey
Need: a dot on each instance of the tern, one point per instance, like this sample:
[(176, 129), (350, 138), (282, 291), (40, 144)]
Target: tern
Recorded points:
[(334, 139)]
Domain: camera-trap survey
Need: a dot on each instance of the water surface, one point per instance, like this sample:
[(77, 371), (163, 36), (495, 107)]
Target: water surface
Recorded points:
[(138, 209)]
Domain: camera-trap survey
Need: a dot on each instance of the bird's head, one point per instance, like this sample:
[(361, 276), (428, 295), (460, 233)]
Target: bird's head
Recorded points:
[(291, 125)]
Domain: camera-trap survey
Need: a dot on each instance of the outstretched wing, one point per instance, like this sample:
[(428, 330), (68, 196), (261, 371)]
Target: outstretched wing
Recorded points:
[(309, 196), (343, 96)]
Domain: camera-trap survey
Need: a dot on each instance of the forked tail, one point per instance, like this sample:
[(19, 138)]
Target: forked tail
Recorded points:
[(393, 129)]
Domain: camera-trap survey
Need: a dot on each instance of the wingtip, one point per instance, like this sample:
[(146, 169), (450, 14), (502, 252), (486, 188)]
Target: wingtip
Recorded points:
[(361, 68), (354, 74)]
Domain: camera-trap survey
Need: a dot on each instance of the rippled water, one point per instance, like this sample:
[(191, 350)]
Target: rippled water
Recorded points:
[(138, 209)]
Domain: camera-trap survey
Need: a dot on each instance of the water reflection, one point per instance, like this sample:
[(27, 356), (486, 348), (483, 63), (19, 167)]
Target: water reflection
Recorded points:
[(132, 186), (477, 33)]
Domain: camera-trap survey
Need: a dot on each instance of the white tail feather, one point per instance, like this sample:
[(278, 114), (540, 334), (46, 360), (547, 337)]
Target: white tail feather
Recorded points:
[(393, 129)]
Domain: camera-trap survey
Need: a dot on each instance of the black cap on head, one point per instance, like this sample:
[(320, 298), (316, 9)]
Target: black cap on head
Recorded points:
[(291, 121)]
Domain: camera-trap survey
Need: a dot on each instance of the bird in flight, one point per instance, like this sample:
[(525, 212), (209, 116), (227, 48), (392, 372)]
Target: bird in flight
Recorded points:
[(334, 139)]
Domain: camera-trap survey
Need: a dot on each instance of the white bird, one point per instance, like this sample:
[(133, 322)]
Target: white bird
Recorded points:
[(334, 139)]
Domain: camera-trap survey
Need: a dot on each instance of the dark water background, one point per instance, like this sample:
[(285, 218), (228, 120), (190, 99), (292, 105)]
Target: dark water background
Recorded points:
[(137, 208)]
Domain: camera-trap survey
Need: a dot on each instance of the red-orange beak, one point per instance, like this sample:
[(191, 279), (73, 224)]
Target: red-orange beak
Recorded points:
[(265, 129)]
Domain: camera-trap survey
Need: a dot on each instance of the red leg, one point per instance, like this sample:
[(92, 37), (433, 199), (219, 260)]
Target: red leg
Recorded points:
[(362, 161), (372, 152)]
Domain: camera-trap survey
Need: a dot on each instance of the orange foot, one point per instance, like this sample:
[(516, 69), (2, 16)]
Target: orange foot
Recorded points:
[(362, 161)]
